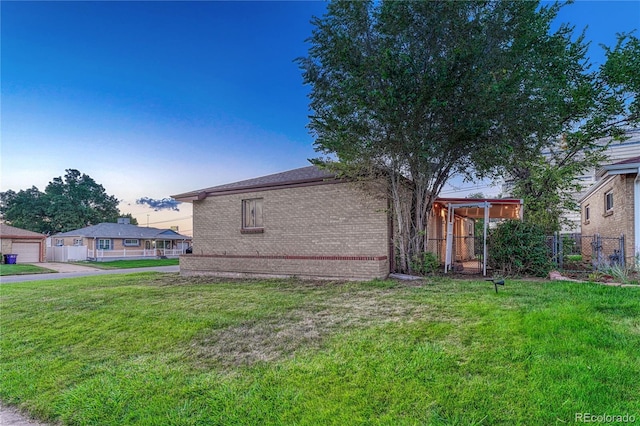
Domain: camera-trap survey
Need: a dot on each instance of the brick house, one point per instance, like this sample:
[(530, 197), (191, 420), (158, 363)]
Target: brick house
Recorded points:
[(611, 207), (304, 222), (114, 241)]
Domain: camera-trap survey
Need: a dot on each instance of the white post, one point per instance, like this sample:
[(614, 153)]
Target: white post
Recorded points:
[(449, 242), (484, 248)]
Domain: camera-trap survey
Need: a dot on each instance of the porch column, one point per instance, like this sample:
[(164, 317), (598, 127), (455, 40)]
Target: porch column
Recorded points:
[(484, 231), (449, 242)]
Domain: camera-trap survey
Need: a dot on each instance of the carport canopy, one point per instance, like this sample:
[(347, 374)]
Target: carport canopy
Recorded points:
[(483, 208)]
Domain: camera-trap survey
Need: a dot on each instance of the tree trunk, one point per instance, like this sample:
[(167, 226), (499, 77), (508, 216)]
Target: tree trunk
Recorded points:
[(402, 217)]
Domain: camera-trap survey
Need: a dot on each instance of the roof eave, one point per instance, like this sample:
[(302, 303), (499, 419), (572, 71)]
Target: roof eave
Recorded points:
[(24, 237), (594, 187), (202, 194), (622, 169)]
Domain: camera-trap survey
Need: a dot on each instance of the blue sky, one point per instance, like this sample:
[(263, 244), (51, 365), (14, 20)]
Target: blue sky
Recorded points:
[(156, 98)]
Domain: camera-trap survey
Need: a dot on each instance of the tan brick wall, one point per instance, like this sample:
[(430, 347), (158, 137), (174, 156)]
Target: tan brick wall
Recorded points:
[(336, 268), (330, 230), (6, 244), (618, 221)]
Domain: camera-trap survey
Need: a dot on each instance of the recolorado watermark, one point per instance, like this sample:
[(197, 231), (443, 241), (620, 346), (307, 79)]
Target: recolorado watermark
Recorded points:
[(604, 418)]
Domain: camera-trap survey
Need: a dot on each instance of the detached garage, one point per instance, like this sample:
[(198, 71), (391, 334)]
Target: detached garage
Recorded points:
[(28, 245)]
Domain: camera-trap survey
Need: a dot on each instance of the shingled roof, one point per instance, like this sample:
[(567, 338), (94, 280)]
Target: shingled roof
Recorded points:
[(122, 230), (7, 231), (292, 178)]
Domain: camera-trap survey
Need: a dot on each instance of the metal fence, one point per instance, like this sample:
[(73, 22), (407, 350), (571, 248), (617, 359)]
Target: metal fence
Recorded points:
[(569, 252), (586, 252), (466, 253)]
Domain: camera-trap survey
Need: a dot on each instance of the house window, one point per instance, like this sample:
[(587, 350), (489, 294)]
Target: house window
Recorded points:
[(587, 214), (608, 202), (77, 241), (59, 242), (252, 220), (147, 245), (131, 243), (104, 244)]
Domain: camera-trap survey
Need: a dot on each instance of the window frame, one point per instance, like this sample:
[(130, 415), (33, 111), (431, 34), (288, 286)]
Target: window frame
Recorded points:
[(608, 202), (252, 223), (587, 213), (163, 244), (77, 242), (131, 244), (100, 245)]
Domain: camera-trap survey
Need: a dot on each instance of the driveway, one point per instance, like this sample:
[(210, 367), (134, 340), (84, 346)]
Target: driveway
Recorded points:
[(75, 271)]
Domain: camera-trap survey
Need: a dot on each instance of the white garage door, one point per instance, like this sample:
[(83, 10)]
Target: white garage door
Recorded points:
[(27, 252)]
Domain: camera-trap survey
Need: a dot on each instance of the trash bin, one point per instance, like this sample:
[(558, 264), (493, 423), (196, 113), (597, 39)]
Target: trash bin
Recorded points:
[(10, 259)]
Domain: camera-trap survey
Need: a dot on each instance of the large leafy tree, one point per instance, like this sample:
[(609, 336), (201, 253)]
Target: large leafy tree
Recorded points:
[(70, 202), (25, 209), (421, 91), (603, 104)]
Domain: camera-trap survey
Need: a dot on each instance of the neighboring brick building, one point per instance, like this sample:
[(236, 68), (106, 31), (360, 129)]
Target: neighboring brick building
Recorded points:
[(114, 241), (307, 223), (611, 207), (616, 151)]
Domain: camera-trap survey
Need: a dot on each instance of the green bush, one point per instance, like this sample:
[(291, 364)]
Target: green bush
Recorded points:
[(518, 248), (425, 263)]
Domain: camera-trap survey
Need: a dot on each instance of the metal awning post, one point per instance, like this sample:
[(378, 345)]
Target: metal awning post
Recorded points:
[(449, 242), (484, 248)]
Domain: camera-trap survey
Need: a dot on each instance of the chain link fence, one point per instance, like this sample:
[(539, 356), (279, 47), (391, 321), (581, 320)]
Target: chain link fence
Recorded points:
[(467, 252), (576, 252), (568, 252)]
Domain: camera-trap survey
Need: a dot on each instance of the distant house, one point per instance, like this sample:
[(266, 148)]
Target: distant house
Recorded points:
[(615, 152), (28, 245), (111, 241), (308, 223), (611, 207)]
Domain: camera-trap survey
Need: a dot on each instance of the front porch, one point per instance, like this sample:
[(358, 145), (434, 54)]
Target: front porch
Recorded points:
[(131, 254)]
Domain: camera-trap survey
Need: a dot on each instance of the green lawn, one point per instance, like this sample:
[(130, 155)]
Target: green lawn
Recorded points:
[(21, 269), (158, 349), (124, 264)]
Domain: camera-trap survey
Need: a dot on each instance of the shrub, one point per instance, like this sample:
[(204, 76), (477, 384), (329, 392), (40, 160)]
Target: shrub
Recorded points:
[(425, 263), (518, 248)]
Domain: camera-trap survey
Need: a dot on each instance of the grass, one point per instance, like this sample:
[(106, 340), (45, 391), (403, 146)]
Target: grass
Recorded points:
[(125, 264), (153, 348), (21, 269)]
